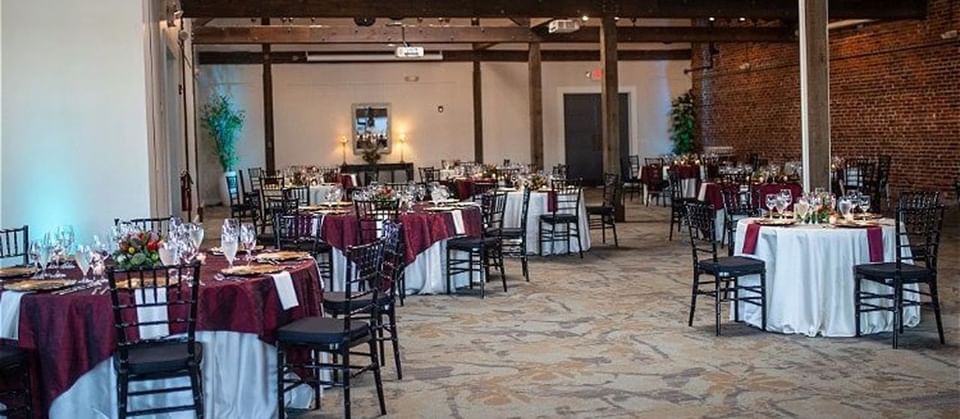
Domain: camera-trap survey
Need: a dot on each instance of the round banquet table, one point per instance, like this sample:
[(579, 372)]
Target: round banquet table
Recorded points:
[(810, 279), (540, 204), (73, 337), (710, 193), (318, 193), (425, 235)]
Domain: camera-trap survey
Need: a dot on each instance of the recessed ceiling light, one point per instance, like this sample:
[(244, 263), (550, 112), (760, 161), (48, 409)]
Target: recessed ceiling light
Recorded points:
[(743, 19), (585, 18), (711, 18)]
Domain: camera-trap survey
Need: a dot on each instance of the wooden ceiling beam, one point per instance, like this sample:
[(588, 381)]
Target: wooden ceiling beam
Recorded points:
[(515, 56), (477, 35), (766, 9)]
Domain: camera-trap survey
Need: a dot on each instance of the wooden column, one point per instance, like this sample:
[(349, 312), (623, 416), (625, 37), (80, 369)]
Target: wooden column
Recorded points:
[(477, 113), (610, 101), (536, 105), (268, 132), (815, 93)]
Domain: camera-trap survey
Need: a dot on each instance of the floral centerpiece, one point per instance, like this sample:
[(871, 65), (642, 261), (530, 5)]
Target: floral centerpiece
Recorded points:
[(384, 193), (371, 154), (536, 181), (138, 249), (488, 171)]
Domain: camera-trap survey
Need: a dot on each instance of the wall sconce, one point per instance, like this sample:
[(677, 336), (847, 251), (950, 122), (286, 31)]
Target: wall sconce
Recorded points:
[(343, 148), (403, 144)]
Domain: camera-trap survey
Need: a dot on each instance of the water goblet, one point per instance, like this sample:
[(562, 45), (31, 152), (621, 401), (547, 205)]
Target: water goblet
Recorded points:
[(864, 204), (228, 244), (35, 252), (83, 256), (771, 202), (845, 205), (248, 239)]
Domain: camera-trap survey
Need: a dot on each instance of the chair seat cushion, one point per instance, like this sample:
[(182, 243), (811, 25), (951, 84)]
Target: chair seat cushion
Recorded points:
[(161, 357), (322, 331), (513, 232), (733, 266), (889, 269), (559, 218), (336, 302), (10, 356), (600, 210), (470, 243)]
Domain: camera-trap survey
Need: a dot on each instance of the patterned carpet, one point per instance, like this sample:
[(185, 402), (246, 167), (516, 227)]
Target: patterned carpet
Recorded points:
[(606, 336)]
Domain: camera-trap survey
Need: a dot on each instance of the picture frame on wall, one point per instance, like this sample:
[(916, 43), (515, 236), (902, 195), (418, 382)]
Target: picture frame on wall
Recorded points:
[(371, 127)]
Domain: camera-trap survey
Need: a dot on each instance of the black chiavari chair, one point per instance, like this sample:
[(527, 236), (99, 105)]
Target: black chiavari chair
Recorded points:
[(334, 303), (678, 203), (429, 174), (159, 357), (726, 271), (254, 174), (479, 189), (859, 174), (338, 336), (884, 165), (300, 193), (15, 243), (563, 223), (301, 231), (371, 216), (240, 208), (632, 184), (483, 252), (513, 240), (655, 183), (605, 213), (918, 231), (18, 399), (559, 171), (737, 204)]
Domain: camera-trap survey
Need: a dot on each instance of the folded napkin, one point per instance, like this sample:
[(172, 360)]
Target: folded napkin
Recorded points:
[(152, 314), (288, 296), (875, 242), (458, 224), (750, 238), (10, 314)]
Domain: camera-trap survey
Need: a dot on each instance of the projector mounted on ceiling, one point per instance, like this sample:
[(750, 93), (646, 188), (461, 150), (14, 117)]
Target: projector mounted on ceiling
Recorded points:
[(409, 52), (564, 26)]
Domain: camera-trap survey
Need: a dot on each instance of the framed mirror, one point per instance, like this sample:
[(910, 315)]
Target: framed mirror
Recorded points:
[(371, 127)]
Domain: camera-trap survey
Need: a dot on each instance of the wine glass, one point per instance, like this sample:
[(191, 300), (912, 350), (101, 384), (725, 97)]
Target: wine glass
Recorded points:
[(865, 204), (801, 208), (771, 203), (35, 252), (845, 205), (787, 196), (231, 226), (228, 244), (83, 256), (195, 234), (782, 204), (46, 252), (248, 239)]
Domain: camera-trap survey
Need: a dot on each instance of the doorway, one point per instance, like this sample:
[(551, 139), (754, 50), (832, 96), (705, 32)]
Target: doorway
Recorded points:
[(582, 127)]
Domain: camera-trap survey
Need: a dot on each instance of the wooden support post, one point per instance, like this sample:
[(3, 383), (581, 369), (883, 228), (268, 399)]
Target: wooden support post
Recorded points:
[(477, 113), (815, 93), (610, 101), (536, 105), (268, 132)]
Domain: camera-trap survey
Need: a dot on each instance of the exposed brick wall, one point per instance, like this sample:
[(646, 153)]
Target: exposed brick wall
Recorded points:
[(894, 89)]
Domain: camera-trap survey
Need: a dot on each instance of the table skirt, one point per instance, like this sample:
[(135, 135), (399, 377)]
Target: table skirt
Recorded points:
[(810, 280), (538, 207), (239, 381)]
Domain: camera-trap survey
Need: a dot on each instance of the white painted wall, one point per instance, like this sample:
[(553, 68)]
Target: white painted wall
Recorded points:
[(312, 109), (74, 117)]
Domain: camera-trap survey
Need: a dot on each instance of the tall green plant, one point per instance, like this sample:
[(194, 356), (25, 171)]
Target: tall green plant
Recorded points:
[(682, 120), (223, 123)]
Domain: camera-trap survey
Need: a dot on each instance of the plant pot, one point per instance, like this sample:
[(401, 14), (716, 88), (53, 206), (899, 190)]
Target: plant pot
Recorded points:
[(224, 193)]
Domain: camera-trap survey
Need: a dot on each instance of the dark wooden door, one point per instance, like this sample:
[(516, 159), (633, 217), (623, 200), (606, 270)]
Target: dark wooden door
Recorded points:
[(582, 122)]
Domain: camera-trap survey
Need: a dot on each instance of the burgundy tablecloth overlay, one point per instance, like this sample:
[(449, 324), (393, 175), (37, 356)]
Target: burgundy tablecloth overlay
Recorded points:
[(651, 175), (713, 193), (750, 238), (71, 334), (875, 243), (421, 229), (346, 181), (687, 171)]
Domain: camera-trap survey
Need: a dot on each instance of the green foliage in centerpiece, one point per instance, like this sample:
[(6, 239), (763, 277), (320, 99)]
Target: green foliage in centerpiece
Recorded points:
[(682, 120), (537, 181), (138, 250), (371, 154), (223, 123)]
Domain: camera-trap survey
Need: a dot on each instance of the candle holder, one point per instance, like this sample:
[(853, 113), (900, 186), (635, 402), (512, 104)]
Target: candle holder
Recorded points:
[(343, 148)]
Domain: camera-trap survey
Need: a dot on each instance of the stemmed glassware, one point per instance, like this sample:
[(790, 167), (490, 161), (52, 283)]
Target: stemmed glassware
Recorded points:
[(864, 205), (248, 239), (229, 239), (782, 204), (38, 258), (845, 205), (83, 256), (801, 208), (771, 203)]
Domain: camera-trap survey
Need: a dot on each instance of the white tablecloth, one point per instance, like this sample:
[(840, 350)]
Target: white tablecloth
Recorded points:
[(538, 207), (239, 381), (318, 193), (426, 275), (810, 280)]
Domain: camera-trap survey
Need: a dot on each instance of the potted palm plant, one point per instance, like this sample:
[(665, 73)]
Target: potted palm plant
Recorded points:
[(682, 122), (223, 122)]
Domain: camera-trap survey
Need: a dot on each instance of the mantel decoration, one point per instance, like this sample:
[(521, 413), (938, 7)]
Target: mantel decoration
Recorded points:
[(371, 154), (223, 123), (371, 129), (682, 121), (138, 249)]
